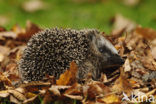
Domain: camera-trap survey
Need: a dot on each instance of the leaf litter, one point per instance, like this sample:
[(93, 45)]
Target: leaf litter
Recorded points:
[(137, 76)]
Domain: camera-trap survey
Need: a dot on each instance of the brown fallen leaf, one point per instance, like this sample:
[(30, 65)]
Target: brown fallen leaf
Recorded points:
[(4, 93), (11, 72), (153, 49), (147, 33), (30, 95), (8, 34), (2, 29), (16, 52), (21, 90), (30, 30), (19, 96), (122, 84), (14, 100), (33, 5), (12, 43), (74, 89), (35, 86), (110, 99), (62, 87), (18, 29), (69, 76), (131, 2), (4, 51), (143, 42), (33, 100), (1, 57), (148, 63), (55, 91), (127, 66), (94, 90), (134, 83), (122, 24), (5, 80), (51, 95), (74, 92), (76, 97)]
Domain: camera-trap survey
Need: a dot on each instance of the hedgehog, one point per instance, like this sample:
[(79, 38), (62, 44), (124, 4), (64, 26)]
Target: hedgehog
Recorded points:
[(49, 52)]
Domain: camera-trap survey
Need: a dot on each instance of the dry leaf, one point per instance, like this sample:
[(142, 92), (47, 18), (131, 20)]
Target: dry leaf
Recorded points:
[(147, 33), (122, 24), (96, 89), (8, 34), (31, 29), (2, 29), (21, 90), (55, 91), (51, 95), (35, 86), (69, 76), (76, 89), (131, 2), (153, 52), (4, 93), (122, 85), (61, 87), (5, 80), (110, 99), (76, 97), (14, 100), (19, 96), (1, 57), (30, 95), (17, 29), (127, 66), (12, 73), (33, 5), (16, 53), (33, 100), (4, 51)]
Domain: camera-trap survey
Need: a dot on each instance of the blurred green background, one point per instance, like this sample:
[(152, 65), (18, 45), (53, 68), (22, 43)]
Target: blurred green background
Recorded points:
[(77, 13)]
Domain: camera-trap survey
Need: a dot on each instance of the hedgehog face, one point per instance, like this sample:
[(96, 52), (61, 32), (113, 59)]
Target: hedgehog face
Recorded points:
[(108, 56), (108, 50)]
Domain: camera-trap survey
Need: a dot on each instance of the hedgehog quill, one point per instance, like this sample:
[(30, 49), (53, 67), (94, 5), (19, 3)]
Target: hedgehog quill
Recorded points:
[(51, 51)]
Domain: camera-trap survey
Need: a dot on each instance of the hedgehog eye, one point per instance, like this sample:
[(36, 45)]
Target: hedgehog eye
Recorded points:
[(102, 50)]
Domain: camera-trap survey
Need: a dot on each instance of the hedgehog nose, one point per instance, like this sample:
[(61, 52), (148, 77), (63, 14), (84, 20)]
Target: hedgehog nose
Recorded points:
[(122, 61), (118, 60)]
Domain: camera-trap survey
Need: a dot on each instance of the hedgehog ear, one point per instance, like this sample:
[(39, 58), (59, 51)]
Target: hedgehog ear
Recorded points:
[(91, 35)]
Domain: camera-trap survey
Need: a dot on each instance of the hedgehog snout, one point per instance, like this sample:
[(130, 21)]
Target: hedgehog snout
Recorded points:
[(117, 60)]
